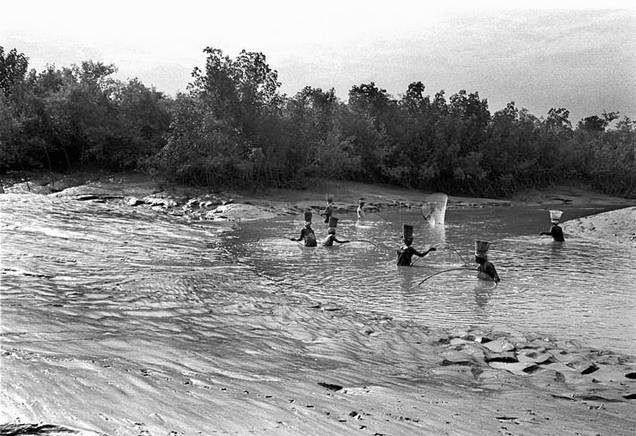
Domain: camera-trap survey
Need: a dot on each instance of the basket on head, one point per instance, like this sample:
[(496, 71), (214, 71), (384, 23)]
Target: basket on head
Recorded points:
[(481, 248), (308, 216), (329, 198), (555, 216), (333, 222), (407, 231)]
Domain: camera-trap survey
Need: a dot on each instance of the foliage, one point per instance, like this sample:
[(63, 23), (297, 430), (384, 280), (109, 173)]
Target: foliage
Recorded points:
[(234, 127), (75, 117)]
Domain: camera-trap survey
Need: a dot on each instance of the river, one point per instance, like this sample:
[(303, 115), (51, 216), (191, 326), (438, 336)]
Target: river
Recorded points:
[(122, 320), (98, 266)]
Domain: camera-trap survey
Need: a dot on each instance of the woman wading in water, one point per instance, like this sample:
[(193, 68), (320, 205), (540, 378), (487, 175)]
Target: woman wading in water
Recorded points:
[(307, 234), (405, 254), (555, 231), (486, 270)]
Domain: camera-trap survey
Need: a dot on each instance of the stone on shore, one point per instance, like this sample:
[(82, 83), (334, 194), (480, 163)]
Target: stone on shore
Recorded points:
[(240, 212)]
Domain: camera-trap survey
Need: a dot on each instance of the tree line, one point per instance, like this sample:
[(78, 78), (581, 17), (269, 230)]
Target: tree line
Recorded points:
[(233, 127)]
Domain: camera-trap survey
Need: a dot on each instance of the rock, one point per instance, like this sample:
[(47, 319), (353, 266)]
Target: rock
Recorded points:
[(589, 369), (458, 341), (505, 357), (159, 201), (87, 192), (540, 358), (499, 345), (205, 202), (577, 362), (547, 377), (330, 386), (454, 357), (133, 201), (518, 368), (560, 367), (458, 333), (475, 351), (240, 212)]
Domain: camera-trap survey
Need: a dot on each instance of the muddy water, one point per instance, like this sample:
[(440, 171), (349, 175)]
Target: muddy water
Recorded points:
[(580, 289), (93, 265), (105, 305)]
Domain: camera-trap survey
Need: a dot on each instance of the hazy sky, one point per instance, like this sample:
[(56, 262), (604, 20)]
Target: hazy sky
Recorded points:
[(580, 58)]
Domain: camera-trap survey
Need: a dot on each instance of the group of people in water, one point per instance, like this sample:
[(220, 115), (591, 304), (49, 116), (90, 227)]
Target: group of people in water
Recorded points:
[(485, 270), (307, 234)]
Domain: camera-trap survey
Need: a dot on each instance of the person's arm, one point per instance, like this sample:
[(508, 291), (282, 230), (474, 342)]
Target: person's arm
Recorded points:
[(424, 253), (300, 238), (545, 233)]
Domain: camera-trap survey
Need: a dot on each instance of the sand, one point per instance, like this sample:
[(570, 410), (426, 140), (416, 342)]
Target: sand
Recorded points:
[(266, 366), (617, 226)]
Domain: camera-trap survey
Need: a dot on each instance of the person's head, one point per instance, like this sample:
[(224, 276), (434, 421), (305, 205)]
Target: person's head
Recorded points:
[(331, 231), (408, 240), (361, 202)]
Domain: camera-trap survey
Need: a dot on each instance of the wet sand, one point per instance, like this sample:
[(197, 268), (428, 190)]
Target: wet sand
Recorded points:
[(266, 366), (617, 226)]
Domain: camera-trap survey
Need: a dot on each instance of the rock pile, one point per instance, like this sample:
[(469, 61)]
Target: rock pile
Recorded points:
[(563, 368)]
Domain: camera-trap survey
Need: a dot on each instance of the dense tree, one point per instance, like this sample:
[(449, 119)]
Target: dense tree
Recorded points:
[(13, 69), (233, 127), (73, 117)]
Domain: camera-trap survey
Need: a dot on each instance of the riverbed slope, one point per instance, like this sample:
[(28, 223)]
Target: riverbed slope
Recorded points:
[(259, 363)]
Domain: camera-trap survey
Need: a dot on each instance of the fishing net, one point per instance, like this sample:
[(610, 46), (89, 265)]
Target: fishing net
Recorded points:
[(434, 208)]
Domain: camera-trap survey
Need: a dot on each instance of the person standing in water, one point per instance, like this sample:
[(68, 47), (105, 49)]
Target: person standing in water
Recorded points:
[(405, 254), (486, 270), (331, 237), (328, 210), (360, 210), (307, 234), (555, 230)]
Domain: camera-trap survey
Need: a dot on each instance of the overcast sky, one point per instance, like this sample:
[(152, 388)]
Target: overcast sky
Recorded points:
[(580, 58)]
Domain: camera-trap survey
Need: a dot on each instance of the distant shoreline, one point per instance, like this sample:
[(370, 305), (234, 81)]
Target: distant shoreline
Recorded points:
[(343, 191), (141, 190)]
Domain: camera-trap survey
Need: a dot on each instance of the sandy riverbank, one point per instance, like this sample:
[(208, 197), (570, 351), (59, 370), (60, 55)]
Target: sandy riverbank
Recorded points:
[(617, 226), (266, 366), (199, 203)]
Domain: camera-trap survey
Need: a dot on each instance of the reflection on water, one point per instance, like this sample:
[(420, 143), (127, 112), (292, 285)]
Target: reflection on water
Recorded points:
[(578, 289), (96, 267)]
